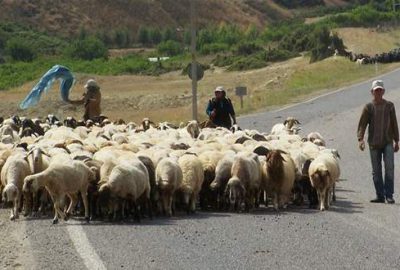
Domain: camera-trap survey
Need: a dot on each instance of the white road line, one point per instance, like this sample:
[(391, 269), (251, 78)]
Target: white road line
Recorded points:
[(84, 248)]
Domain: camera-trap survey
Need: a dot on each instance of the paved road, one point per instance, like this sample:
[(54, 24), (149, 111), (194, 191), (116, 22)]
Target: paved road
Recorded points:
[(353, 234)]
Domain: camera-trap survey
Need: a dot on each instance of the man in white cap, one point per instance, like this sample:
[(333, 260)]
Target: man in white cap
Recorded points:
[(220, 109), (91, 99), (383, 140)]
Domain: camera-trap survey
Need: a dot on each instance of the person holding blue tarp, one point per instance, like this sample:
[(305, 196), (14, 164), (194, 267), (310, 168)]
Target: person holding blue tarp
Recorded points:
[(91, 99)]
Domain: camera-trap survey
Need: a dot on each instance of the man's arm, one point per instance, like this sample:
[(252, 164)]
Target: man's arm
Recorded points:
[(395, 129), (362, 124), (209, 108), (232, 112)]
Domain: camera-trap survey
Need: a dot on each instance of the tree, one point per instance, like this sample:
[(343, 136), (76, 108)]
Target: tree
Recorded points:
[(143, 35), (155, 36), (170, 48), (87, 49), (20, 50)]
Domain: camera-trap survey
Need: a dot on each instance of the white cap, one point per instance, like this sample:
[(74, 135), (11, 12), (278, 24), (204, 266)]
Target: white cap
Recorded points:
[(377, 84), (219, 89), (91, 83)]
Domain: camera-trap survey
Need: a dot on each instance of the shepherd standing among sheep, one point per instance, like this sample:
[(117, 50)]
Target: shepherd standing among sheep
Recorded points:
[(383, 139)]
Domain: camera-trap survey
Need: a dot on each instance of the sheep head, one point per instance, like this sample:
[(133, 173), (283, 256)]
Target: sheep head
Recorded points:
[(235, 191), (30, 184)]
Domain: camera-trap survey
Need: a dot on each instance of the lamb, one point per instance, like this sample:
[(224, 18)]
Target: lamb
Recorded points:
[(279, 173), (15, 169), (129, 180), (192, 179), (324, 171), (169, 179), (60, 179), (245, 180)]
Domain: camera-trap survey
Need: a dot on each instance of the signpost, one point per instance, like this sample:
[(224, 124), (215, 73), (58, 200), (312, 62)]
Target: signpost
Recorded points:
[(241, 91)]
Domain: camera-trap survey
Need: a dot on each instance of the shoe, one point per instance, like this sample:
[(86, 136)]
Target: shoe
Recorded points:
[(378, 200), (390, 200)]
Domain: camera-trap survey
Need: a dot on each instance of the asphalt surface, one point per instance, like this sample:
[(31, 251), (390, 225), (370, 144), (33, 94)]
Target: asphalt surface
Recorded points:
[(353, 234)]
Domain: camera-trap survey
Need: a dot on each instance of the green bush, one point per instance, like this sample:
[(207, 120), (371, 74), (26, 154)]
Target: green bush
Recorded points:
[(214, 48), (20, 50), (87, 49), (223, 60), (275, 55), (247, 48), (247, 63), (170, 48)]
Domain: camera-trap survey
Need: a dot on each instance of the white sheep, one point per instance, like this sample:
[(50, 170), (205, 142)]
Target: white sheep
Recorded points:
[(245, 180), (15, 169), (324, 171), (168, 179), (129, 180), (60, 179), (290, 126), (192, 180)]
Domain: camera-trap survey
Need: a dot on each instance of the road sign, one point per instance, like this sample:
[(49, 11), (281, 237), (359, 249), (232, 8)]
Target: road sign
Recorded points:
[(200, 71), (241, 91)]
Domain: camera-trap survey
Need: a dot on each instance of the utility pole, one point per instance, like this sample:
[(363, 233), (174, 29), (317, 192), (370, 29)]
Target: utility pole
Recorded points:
[(193, 19)]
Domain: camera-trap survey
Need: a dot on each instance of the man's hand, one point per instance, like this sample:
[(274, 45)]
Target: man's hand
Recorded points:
[(361, 145), (213, 114), (396, 147)]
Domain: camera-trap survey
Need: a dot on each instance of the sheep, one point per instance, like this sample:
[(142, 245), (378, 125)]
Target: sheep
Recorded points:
[(324, 171), (289, 126), (279, 178), (193, 128), (245, 180), (192, 180), (316, 138), (15, 169), (168, 178), (209, 159), (222, 176), (38, 162), (60, 179), (129, 180)]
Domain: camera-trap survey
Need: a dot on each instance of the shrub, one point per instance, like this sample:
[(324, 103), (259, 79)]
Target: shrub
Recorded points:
[(275, 55), (246, 63), (87, 49), (170, 48), (20, 50), (214, 48), (247, 48)]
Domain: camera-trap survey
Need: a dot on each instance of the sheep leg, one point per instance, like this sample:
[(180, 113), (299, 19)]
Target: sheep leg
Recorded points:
[(169, 201), (73, 201), (276, 201), (321, 197), (334, 193), (327, 198), (85, 204), (57, 210)]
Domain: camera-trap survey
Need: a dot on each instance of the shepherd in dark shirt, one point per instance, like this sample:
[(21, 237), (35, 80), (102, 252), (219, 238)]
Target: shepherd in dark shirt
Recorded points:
[(220, 109), (383, 140)]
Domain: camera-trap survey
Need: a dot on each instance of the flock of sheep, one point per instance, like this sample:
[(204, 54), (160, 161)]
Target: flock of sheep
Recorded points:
[(123, 169), (362, 59)]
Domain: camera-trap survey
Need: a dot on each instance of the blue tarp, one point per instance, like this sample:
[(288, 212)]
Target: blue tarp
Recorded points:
[(56, 72)]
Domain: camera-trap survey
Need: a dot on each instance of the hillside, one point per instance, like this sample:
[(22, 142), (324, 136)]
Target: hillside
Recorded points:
[(68, 17)]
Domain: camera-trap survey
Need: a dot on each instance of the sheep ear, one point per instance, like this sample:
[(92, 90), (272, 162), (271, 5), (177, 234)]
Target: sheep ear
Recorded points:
[(45, 153), (285, 122), (297, 122)]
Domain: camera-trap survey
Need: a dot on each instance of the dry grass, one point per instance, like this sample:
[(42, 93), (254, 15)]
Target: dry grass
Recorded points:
[(369, 40)]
